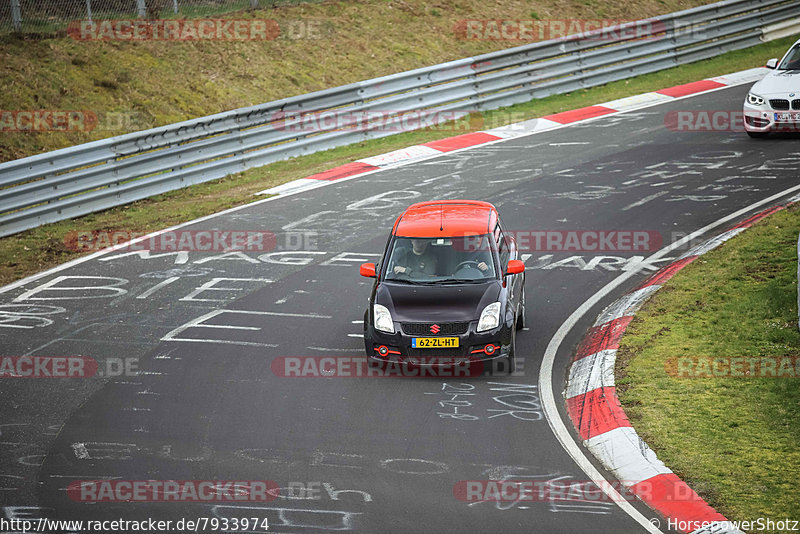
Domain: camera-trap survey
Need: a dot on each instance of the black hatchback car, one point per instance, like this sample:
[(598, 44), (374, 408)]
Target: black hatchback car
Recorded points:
[(449, 288)]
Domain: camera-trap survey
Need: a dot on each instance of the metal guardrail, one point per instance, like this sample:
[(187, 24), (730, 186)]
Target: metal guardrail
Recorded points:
[(94, 176)]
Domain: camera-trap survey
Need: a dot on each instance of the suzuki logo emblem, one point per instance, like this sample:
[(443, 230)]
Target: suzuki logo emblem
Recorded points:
[(435, 329)]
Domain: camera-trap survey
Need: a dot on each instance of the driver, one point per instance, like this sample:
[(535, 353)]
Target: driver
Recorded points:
[(419, 259)]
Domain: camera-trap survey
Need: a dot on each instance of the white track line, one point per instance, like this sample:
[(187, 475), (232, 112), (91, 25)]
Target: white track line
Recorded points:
[(546, 371)]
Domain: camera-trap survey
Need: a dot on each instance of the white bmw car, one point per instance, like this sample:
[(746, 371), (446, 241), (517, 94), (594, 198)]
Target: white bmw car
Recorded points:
[(773, 104)]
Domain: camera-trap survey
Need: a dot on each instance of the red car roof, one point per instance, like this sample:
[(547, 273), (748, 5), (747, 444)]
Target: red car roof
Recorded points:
[(446, 218)]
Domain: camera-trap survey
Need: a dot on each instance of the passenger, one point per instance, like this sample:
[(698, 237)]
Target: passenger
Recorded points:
[(418, 260)]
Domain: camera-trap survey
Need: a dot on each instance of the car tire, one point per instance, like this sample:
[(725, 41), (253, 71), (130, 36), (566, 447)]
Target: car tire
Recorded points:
[(505, 366), (511, 360), (758, 135), (520, 320)]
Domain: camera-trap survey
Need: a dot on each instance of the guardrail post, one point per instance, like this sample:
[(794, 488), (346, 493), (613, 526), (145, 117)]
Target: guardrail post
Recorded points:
[(16, 16)]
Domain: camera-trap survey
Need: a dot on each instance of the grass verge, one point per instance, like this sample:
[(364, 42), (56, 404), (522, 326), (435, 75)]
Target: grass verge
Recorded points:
[(135, 85), (40, 248), (733, 440)]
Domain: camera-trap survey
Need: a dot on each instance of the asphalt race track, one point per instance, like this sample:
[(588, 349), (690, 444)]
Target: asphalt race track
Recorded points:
[(376, 455)]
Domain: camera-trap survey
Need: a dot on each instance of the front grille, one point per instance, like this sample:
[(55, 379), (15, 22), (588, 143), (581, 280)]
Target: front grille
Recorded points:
[(796, 104), (779, 103), (445, 329)]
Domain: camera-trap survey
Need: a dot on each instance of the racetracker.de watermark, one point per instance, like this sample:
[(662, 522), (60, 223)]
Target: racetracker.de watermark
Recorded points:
[(203, 491), (397, 120), (721, 120), (47, 367), (66, 367), (174, 30), (173, 241), (363, 367), (182, 30), (47, 120), (68, 121), (530, 30), (733, 367), (573, 241), (375, 120), (527, 490)]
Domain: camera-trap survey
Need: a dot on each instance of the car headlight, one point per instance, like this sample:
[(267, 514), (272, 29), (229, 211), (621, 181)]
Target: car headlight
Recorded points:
[(490, 317), (383, 319), (754, 100)]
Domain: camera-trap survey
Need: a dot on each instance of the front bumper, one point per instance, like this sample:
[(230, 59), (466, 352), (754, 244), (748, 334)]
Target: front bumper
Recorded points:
[(472, 346), (761, 119)]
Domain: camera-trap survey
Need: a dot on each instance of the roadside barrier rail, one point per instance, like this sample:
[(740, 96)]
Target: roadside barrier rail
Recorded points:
[(70, 182)]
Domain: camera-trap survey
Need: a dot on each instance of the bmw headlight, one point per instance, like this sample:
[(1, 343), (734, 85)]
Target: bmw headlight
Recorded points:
[(383, 319), (490, 317), (754, 100)]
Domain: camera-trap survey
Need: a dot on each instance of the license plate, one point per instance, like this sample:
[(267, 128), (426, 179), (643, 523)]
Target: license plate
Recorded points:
[(787, 117), (434, 342)]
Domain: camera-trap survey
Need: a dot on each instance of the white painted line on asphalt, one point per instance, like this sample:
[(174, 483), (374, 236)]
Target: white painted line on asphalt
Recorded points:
[(549, 405), (645, 200), (199, 323), (636, 101), (158, 286), (711, 244), (403, 155), (510, 131), (295, 186), (741, 77), (570, 143)]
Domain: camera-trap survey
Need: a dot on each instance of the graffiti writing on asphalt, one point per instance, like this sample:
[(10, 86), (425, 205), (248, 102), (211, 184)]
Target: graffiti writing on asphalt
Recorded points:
[(461, 402)]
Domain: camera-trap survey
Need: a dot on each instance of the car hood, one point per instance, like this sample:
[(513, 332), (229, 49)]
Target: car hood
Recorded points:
[(445, 303), (779, 83)]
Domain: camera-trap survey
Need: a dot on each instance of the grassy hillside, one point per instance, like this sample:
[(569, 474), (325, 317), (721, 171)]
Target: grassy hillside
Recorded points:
[(135, 85)]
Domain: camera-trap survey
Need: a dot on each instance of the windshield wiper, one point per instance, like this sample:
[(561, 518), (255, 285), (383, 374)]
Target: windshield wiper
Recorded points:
[(438, 282), (460, 281)]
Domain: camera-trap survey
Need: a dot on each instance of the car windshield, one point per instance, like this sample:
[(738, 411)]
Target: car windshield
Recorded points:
[(792, 59), (441, 260)]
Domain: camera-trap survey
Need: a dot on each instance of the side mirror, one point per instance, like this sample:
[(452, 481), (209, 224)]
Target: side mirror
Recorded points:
[(772, 63), (368, 270), (515, 267)]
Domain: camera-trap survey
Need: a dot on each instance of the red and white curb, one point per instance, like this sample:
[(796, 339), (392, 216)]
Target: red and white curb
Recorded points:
[(412, 154), (595, 410)]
